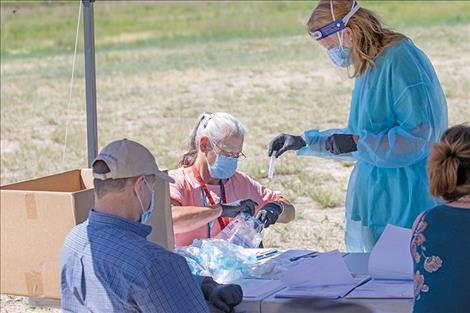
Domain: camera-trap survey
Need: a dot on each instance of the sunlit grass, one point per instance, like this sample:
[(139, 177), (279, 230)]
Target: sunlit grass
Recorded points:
[(37, 27), (158, 72)]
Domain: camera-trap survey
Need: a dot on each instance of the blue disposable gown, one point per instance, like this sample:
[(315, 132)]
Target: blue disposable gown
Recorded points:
[(398, 110)]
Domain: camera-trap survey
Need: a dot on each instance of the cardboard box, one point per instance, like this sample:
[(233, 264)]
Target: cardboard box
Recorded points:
[(36, 216)]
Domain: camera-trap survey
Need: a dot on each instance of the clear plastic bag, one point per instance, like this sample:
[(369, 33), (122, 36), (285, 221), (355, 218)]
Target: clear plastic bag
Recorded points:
[(223, 261), (225, 258), (226, 262), (244, 230)]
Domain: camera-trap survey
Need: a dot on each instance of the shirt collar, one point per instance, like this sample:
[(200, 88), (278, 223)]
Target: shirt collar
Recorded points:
[(104, 219)]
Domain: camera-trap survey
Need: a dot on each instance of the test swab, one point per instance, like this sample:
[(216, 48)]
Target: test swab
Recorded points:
[(272, 165)]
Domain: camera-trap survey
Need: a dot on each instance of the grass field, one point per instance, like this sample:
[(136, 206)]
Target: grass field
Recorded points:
[(160, 64)]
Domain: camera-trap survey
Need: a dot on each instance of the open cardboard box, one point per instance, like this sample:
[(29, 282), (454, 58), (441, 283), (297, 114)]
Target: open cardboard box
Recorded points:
[(36, 216)]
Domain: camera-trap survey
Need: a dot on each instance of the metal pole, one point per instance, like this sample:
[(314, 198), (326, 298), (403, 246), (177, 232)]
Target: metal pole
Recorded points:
[(90, 80)]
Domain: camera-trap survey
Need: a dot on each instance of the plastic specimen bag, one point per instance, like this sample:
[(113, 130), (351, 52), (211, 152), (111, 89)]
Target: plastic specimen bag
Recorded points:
[(244, 230), (226, 257), (226, 262), (223, 261)]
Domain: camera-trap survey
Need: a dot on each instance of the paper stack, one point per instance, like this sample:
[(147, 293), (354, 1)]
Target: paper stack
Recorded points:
[(325, 276), (390, 267), (258, 289)]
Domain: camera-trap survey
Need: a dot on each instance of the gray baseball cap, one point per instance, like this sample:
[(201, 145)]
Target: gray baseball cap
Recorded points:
[(126, 158)]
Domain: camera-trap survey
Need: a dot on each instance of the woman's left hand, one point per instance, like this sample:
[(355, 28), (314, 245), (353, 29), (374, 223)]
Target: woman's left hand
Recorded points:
[(269, 214), (341, 143)]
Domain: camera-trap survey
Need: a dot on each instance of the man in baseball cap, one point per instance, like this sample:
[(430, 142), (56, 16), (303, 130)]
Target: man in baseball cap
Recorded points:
[(107, 265)]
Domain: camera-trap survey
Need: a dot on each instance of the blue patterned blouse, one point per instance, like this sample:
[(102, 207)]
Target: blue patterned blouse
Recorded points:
[(441, 253)]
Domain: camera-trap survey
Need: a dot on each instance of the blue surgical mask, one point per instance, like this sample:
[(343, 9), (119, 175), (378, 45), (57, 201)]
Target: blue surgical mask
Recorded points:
[(224, 167), (146, 214), (340, 56)]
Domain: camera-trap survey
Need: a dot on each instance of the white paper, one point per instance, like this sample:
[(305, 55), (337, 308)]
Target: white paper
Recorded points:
[(391, 256), (324, 270), (390, 267), (259, 288), (391, 289), (289, 254), (329, 292)]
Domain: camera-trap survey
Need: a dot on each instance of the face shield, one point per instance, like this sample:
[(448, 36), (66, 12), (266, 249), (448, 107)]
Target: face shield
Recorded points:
[(333, 45)]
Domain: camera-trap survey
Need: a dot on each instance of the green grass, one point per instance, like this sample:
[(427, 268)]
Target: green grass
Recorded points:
[(159, 65), (49, 27)]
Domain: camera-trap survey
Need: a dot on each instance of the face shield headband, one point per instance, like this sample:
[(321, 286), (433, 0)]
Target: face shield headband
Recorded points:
[(336, 25)]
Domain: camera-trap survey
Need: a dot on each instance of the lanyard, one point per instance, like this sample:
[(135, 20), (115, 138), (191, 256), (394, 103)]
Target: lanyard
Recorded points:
[(205, 195)]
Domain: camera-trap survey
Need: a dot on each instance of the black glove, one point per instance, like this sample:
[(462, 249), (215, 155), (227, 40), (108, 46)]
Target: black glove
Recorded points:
[(237, 207), (270, 213), (283, 142), (340, 143), (223, 297)]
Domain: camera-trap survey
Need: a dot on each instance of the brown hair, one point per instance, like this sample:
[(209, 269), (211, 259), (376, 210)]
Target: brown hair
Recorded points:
[(189, 157), (449, 164), (369, 37), (103, 187)]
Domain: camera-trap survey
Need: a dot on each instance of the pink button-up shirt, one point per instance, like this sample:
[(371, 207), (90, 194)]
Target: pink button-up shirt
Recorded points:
[(187, 192)]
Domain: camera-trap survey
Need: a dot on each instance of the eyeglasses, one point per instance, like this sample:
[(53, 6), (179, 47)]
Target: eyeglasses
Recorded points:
[(239, 155)]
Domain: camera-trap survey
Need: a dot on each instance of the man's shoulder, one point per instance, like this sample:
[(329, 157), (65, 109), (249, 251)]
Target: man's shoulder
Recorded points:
[(77, 234), (147, 252), (155, 252), (153, 258)]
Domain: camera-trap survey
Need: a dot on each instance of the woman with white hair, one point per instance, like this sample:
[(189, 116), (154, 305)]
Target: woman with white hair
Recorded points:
[(208, 190)]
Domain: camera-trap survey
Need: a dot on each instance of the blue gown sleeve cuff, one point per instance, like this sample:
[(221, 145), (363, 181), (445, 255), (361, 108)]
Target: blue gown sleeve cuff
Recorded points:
[(361, 145), (312, 137)]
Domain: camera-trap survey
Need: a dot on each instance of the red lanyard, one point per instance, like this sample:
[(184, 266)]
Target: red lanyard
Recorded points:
[(223, 221)]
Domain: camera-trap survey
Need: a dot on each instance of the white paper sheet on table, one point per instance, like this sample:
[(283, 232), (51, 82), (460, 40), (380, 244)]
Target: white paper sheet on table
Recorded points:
[(329, 292), (381, 289), (259, 288), (324, 276), (287, 255), (390, 267), (391, 256), (326, 269)]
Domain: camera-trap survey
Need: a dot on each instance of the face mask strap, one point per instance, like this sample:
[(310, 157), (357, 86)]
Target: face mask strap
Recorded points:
[(147, 184), (340, 37), (354, 8), (141, 204)]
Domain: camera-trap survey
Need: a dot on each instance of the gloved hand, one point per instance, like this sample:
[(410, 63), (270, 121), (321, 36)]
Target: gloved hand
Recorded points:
[(237, 207), (270, 213), (284, 142), (223, 297), (340, 143)]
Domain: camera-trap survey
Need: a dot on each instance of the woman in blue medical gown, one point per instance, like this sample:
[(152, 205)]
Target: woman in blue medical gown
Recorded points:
[(398, 110)]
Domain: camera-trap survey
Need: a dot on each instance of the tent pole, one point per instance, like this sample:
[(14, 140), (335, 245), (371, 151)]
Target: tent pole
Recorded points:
[(90, 80)]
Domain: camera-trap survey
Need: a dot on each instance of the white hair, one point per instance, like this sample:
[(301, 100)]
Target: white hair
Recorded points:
[(216, 126)]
